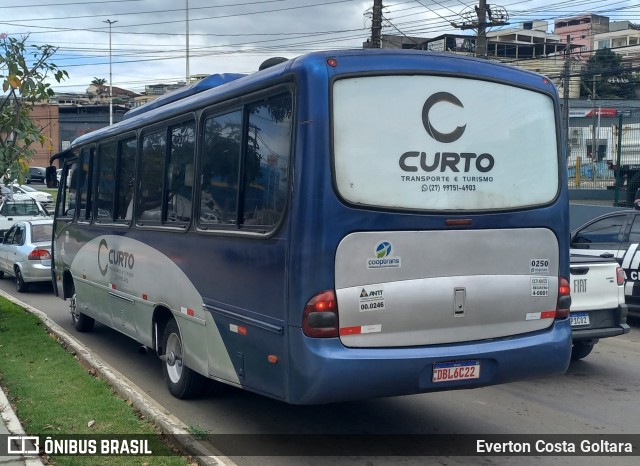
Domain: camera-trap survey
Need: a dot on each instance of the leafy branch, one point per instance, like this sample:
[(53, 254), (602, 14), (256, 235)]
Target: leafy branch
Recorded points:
[(24, 71)]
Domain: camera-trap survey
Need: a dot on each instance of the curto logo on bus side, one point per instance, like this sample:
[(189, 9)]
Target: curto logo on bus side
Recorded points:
[(413, 161), (113, 257)]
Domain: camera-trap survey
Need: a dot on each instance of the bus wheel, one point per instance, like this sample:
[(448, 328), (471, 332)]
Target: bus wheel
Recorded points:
[(580, 349), (181, 381), (81, 322)]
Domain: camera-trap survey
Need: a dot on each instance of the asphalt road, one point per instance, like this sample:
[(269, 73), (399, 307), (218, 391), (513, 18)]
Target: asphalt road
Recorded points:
[(598, 395)]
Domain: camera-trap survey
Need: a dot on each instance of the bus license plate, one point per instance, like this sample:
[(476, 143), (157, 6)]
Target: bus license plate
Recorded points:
[(579, 319), (447, 371)]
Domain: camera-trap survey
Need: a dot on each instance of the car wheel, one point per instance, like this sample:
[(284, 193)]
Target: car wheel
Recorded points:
[(21, 285), (181, 381), (81, 322), (580, 350)]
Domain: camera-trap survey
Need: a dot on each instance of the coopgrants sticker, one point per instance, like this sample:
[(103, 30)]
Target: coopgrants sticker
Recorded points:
[(384, 257)]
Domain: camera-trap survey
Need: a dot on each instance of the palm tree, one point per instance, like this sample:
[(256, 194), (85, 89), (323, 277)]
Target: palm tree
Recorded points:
[(99, 81)]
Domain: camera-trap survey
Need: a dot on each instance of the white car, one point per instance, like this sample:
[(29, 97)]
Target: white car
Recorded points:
[(6, 194), (43, 198), (18, 210)]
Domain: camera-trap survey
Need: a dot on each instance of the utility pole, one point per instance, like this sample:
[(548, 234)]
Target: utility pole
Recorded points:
[(565, 96), (480, 18), (110, 74), (481, 44), (376, 25), (593, 114)]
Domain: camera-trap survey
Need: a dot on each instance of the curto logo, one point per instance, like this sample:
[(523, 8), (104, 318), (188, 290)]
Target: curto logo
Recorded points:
[(441, 161), (113, 257), (435, 134)]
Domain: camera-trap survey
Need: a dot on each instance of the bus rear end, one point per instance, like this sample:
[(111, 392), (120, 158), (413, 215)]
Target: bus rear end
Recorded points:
[(448, 232)]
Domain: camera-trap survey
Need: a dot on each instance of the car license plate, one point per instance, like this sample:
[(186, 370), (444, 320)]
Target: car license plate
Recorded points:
[(579, 319), (463, 370)]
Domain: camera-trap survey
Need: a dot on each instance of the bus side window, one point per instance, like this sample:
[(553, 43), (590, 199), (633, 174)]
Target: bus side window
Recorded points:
[(85, 182), (106, 181), (70, 184), (221, 168), (266, 164), (126, 170), (180, 173), (152, 176)]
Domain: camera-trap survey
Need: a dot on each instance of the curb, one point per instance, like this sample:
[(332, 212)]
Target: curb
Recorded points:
[(14, 427), (168, 424)]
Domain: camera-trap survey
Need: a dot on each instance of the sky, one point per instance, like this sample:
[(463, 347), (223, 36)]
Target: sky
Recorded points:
[(149, 37)]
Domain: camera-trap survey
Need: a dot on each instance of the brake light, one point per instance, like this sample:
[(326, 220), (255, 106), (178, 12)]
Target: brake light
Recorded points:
[(39, 255), (320, 316), (620, 275), (564, 299)]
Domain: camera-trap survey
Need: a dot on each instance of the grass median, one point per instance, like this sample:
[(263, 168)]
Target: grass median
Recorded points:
[(53, 394)]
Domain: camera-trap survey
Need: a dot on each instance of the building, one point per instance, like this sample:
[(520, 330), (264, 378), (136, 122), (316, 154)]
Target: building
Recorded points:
[(580, 31), (529, 47), (153, 91), (74, 121), (45, 117), (623, 38), (99, 94), (529, 41)]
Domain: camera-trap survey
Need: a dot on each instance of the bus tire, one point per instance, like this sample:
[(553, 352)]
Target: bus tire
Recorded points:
[(181, 381), (81, 322), (581, 349)]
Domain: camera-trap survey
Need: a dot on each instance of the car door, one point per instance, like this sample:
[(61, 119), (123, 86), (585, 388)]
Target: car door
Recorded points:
[(630, 259), (6, 253), (604, 235)]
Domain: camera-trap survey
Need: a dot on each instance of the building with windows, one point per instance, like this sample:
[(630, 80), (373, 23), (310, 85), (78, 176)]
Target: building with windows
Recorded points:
[(580, 31), (623, 38)]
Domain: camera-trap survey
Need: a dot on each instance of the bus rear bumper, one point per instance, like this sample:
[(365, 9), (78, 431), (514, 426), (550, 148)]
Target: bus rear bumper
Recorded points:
[(325, 371)]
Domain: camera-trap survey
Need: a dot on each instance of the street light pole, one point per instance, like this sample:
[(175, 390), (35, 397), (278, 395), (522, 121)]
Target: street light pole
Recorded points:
[(187, 18), (110, 75)]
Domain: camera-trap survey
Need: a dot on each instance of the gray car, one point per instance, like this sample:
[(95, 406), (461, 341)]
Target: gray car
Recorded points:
[(36, 174), (25, 252)]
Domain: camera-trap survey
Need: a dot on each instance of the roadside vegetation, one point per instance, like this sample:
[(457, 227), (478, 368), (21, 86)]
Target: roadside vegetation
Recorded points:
[(53, 394)]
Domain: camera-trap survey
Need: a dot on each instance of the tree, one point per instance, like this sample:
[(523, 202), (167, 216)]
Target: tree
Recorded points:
[(24, 70), (99, 81), (605, 72)]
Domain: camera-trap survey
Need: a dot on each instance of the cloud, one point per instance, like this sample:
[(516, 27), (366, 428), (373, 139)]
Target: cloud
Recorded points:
[(148, 37)]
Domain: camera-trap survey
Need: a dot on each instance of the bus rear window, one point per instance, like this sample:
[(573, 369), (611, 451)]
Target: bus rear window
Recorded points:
[(442, 143)]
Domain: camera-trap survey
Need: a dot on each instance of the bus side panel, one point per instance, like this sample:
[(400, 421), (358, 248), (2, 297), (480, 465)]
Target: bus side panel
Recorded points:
[(243, 287), (256, 352)]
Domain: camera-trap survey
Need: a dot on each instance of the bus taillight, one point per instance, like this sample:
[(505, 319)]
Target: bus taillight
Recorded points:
[(564, 299), (320, 317)]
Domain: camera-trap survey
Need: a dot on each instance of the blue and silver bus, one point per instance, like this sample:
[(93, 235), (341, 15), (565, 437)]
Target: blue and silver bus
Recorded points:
[(342, 225)]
